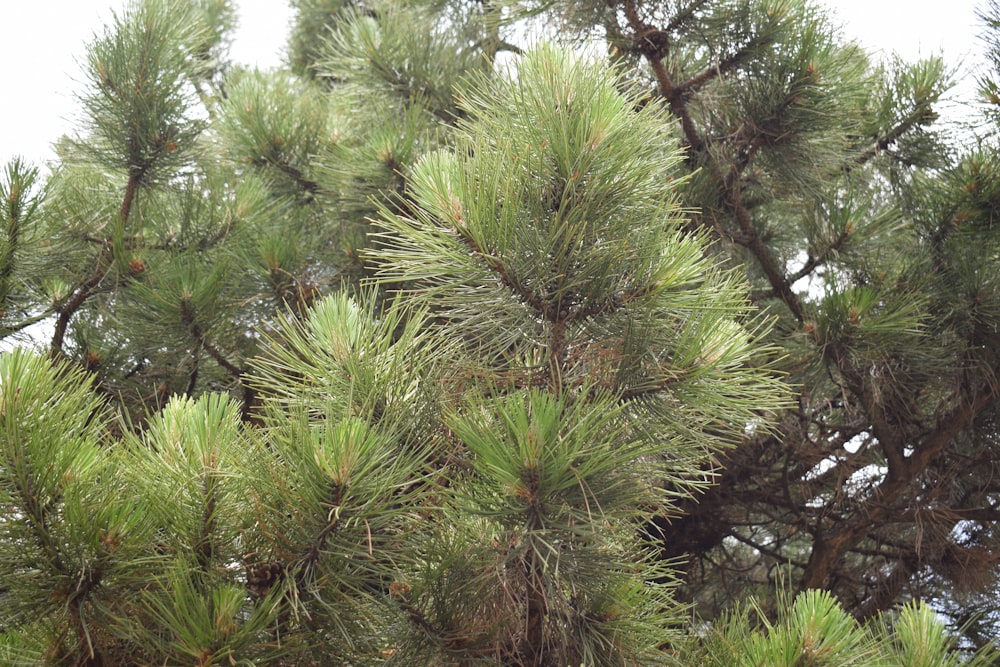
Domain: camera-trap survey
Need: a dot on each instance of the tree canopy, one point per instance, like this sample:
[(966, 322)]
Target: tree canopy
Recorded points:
[(538, 333)]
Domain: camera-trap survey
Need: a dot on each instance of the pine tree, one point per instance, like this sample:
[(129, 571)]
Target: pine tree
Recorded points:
[(404, 262), (869, 236), (451, 472), (598, 361)]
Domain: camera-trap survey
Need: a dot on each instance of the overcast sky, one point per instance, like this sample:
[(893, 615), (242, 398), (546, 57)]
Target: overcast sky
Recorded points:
[(42, 43)]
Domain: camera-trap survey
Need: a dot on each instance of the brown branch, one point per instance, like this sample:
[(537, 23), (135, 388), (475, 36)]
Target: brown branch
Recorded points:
[(8, 329), (887, 591), (220, 359), (829, 550), (921, 115), (193, 376), (978, 514), (557, 356), (311, 187), (710, 73), (306, 561), (676, 101), (87, 287), (508, 280), (552, 313), (70, 307), (188, 317), (731, 183), (815, 261), (610, 304), (765, 259), (683, 15), (889, 438), (532, 645)]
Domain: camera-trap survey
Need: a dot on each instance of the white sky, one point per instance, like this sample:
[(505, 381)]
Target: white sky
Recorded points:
[(42, 42)]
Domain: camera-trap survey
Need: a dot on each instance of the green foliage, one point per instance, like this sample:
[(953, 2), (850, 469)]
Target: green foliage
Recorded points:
[(139, 111), (349, 520), (815, 631), (546, 249), (444, 347), (276, 125), (21, 197), (200, 540), (63, 515)]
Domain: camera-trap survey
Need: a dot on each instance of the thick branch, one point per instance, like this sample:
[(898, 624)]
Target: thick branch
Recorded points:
[(731, 183), (672, 95), (829, 549)]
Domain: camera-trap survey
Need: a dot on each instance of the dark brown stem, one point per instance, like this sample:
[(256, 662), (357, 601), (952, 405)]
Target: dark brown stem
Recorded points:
[(611, 304), (557, 356), (887, 591), (193, 377), (509, 280), (815, 261), (751, 239), (220, 359), (683, 14), (532, 650), (6, 330), (188, 316), (710, 73), (70, 307), (674, 96), (765, 259), (83, 291), (205, 549), (310, 187), (307, 560)]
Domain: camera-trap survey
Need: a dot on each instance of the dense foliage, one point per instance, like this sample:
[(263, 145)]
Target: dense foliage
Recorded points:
[(502, 333)]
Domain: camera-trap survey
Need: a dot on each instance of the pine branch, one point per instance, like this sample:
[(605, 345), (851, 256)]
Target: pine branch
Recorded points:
[(205, 548), (676, 101), (684, 14), (921, 115), (762, 253), (305, 563), (79, 296), (610, 305), (508, 280), (84, 290), (8, 329), (309, 186), (731, 183), (830, 548), (715, 72), (193, 376), (777, 556), (188, 317), (813, 262)]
